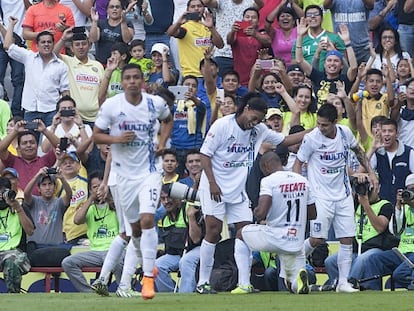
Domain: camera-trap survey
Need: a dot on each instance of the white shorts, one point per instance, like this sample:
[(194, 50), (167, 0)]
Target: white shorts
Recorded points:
[(138, 196), (124, 225), (262, 238), (339, 214), (237, 212)]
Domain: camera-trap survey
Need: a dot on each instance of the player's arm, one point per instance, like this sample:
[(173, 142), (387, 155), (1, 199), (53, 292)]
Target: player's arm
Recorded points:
[(297, 166), (312, 211), (263, 206), (215, 190), (363, 159), (100, 137)]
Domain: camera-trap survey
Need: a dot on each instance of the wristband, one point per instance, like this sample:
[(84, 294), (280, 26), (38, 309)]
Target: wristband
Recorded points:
[(348, 45), (269, 21)]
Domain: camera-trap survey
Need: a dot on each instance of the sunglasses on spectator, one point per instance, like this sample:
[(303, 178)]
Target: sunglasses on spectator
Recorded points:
[(314, 14), (387, 37), (114, 6)]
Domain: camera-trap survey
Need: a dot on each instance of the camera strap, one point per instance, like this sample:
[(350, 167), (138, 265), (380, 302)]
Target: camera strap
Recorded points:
[(252, 143), (346, 153), (151, 131), (394, 223)]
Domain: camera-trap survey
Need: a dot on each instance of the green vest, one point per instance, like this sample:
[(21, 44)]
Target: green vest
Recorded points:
[(10, 230), (174, 233), (102, 227), (407, 235), (268, 259), (368, 230)]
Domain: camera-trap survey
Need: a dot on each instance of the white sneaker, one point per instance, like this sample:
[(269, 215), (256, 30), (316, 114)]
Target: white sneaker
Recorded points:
[(127, 293), (345, 288)]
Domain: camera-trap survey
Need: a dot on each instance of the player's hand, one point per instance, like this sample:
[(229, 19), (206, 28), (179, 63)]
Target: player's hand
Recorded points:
[(127, 137), (215, 191)]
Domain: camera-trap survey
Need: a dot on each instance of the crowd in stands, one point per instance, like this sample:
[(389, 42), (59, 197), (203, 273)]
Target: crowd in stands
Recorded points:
[(204, 59)]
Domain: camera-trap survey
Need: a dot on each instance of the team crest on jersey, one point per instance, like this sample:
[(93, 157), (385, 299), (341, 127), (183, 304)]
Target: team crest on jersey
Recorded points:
[(323, 146), (317, 227)]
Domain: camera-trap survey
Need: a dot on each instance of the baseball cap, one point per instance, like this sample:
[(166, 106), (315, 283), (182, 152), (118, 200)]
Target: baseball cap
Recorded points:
[(336, 53), (42, 178), (10, 170), (71, 155), (273, 111), (159, 47), (409, 180), (294, 67)]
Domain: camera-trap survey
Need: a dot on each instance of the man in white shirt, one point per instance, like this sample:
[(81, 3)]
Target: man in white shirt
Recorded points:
[(227, 154), (131, 117), (326, 150)]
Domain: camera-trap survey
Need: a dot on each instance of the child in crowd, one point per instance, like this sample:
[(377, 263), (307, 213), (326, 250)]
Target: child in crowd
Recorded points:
[(137, 51), (169, 166)]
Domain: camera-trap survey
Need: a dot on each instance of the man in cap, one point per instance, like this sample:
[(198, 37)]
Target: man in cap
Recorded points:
[(13, 176), (295, 74), (85, 74), (274, 119)]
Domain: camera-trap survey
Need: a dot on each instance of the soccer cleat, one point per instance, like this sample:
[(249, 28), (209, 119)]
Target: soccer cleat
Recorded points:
[(345, 288), (205, 289), (249, 289), (302, 282), (100, 288), (147, 291), (127, 293)]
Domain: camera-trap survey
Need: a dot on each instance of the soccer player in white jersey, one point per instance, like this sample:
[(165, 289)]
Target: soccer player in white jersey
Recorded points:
[(132, 118), (285, 204), (227, 153), (326, 150)]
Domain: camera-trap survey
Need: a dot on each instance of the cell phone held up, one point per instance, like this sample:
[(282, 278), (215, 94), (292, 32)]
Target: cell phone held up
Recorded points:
[(51, 171), (31, 126), (63, 144), (79, 29), (67, 113), (195, 16)]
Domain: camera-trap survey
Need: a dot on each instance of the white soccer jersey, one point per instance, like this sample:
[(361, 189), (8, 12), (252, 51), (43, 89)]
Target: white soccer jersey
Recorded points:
[(232, 152), (327, 159), (136, 159), (287, 217)]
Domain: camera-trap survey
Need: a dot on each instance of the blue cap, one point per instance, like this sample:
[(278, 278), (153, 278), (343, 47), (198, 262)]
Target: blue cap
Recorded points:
[(72, 155), (10, 170), (336, 53)]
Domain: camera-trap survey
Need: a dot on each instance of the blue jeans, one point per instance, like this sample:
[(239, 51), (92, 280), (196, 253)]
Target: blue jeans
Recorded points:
[(46, 117), (358, 268), (406, 33), (188, 265), (166, 264), (17, 79), (386, 263)]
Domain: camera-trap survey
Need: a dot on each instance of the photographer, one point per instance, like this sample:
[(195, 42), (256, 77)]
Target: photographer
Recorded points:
[(372, 217), (181, 230), (15, 222), (388, 261)]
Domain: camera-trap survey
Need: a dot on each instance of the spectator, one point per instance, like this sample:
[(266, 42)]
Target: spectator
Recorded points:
[(50, 16), (227, 12), (193, 167), (274, 119), (195, 36), (18, 10), (295, 75), (162, 73), (329, 180), (189, 123), (101, 220), (137, 51), (104, 33), (179, 8), (382, 15), (70, 167), (314, 34), (10, 127), (388, 262), (46, 75), (169, 166), (70, 126), (354, 14), (81, 10), (101, 7), (16, 224), (284, 36), (324, 81), (46, 247), (27, 162), (267, 85), (12, 175), (393, 162), (245, 40), (139, 16), (327, 16), (5, 115), (162, 13), (85, 74), (405, 21), (224, 108)]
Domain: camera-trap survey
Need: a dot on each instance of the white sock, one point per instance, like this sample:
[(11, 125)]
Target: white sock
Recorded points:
[(243, 257), (308, 248), (149, 242), (112, 258), (207, 250), (130, 265), (344, 262)]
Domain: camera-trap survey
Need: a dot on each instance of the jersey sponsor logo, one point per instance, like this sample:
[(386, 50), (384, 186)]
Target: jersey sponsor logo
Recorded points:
[(180, 115), (290, 235), (233, 164), (332, 170), (297, 186), (203, 42), (133, 126), (239, 148), (346, 18), (85, 78), (317, 226), (330, 155), (77, 196)]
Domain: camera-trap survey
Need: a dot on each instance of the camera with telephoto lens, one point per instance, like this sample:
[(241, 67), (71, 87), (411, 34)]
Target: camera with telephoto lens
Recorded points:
[(359, 188), (407, 195), (9, 194), (181, 191)]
